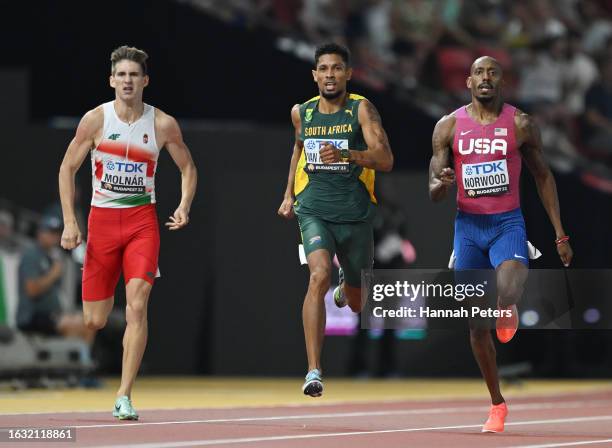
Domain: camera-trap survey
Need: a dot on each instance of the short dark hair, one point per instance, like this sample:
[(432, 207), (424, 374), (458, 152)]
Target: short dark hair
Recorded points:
[(333, 48), (131, 54)]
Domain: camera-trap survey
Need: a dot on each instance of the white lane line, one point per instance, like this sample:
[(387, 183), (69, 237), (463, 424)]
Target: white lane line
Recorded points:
[(431, 411), (209, 442), (554, 445), (431, 399)]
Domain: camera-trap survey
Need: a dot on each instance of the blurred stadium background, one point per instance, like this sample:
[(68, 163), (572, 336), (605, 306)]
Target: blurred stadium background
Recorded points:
[(229, 301)]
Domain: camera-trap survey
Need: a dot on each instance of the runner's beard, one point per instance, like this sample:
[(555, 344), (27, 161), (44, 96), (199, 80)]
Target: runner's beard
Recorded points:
[(485, 99), (332, 96)]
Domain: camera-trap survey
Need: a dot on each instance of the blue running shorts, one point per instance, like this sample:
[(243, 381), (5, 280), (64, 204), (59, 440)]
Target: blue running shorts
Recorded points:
[(486, 241)]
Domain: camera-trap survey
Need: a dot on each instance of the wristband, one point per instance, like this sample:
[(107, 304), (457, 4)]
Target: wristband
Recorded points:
[(563, 239)]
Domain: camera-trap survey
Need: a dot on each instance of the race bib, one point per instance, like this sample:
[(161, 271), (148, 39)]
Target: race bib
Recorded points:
[(312, 147), (485, 179), (124, 177)]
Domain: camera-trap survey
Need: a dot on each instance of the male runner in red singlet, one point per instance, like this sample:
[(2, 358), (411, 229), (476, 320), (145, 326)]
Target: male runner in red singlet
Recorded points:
[(124, 137), (488, 139)]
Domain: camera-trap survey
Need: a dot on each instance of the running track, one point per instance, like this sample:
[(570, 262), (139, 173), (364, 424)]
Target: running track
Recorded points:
[(560, 421)]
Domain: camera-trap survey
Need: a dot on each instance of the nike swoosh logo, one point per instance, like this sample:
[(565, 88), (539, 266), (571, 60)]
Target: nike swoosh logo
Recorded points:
[(466, 132), (518, 256)]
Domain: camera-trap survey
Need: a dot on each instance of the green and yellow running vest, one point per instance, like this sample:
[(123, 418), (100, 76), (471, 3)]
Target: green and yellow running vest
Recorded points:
[(339, 192)]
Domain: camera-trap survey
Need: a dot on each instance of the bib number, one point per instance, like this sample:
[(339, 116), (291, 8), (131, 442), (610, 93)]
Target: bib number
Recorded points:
[(124, 177), (485, 179), (313, 159)]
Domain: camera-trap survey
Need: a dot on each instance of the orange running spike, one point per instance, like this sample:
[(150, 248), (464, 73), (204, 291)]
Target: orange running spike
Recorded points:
[(506, 326), (497, 418)]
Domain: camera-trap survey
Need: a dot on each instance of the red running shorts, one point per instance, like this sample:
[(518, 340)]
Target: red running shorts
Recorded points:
[(119, 238)]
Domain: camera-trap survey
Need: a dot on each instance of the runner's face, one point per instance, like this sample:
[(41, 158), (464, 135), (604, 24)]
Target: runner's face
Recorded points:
[(331, 75), (485, 81), (128, 80)]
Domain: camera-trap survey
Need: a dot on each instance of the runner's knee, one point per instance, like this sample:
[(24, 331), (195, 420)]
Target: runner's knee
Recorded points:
[(509, 292), (511, 278), (320, 278), (94, 321), (136, 311)]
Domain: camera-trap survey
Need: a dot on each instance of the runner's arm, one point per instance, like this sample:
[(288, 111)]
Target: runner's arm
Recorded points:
[(378, 156), (173, 141), (286, 208), (81, 144), (441, 175), (532, 151)]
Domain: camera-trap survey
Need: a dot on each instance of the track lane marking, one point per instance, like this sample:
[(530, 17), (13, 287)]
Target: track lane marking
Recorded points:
[(430, 411), (209, 442)]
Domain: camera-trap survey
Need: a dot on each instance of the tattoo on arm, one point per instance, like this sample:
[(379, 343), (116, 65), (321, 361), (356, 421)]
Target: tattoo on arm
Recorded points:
[(378, 155), (373, 114), (441, 144), (533, 136), (440, 158), (441, 155), (532, 148)]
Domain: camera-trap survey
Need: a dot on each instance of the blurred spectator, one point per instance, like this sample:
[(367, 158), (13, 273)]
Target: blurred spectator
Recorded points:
[(417, 29), (377, 24), (597, 26), (569, 14), (545, 83), (598, 117), (531, 22), (547, 50), (520, 23), (40, 273), (324, 20), (485, 20), (548, 25), (369, 67), (455, 33), (580, 73), (9, 241), (11, 247), (541, 76)]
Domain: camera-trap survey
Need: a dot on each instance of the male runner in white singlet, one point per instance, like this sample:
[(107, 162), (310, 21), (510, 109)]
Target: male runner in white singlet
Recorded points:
[(124, 137)]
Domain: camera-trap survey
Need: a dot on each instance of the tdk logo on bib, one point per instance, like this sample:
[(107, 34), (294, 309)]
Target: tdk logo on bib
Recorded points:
[(314, 144), (483, 146), (486, 168), (125, 167)]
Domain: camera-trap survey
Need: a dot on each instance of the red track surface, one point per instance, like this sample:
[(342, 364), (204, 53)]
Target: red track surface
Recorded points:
[(571, 420)]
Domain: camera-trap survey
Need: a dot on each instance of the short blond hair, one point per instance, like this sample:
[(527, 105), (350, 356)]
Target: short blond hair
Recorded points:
[(131, 54)]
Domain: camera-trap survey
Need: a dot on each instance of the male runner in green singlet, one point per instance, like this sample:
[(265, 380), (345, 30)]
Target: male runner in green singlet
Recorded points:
[(339, 144)]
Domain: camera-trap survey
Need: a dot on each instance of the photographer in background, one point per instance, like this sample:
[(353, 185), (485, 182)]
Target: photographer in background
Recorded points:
[(40, 274)]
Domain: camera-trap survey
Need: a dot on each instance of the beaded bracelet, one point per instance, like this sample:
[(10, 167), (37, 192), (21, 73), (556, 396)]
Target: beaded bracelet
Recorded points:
[(562, 240)]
